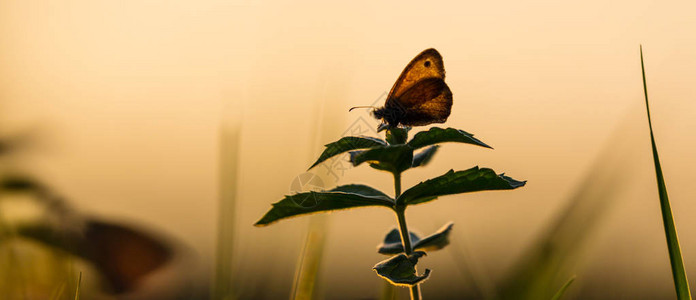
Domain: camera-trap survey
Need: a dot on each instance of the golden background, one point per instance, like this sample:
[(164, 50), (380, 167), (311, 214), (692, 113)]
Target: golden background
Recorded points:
[(134, 102)]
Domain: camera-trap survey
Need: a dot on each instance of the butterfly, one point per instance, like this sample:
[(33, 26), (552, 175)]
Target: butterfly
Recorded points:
[(420, 95), (130, 258)]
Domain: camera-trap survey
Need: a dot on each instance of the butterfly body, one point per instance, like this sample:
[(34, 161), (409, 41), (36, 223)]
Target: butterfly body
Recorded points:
[(420, 95)]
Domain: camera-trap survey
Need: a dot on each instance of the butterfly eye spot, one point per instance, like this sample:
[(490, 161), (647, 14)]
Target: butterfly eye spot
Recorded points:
[(427, 63)]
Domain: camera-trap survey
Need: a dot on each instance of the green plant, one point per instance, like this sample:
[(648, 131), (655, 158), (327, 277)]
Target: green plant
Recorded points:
[(395, 155), (681, 284)]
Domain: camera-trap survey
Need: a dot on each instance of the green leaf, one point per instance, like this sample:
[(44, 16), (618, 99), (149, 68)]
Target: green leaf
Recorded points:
[(392, 242), (436, 241), (471, 180), (342, 197), (361, 189), (563, 289), (438, 135), (380, 166), (681, 284), (393, 158), (401, 269), (423, 158), (346, 144), (396, 135)]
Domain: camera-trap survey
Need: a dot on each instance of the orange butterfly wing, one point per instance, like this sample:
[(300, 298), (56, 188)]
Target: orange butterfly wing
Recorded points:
[(420, 94), (427, 64), (428, 101)]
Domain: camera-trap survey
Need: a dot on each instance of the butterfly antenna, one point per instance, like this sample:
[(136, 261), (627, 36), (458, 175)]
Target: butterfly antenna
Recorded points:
[(354, 107)]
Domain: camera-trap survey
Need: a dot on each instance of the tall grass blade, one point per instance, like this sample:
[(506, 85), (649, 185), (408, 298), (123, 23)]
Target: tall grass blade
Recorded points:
[(476, 278), (389, 291), (306, 284), (563, 289), (77, 289), (681, 284), (307, 272), (229, 170), (58, 292)]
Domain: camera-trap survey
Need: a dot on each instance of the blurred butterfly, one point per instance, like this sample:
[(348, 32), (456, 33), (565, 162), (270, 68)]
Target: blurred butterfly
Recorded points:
[(126, 255), (420, 95)]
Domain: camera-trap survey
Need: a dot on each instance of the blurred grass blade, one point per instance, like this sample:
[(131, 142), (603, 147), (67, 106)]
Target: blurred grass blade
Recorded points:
[(309, 264), (58, 292), (558, 250), (77, 289), (675, 257), (230, 138), (307, 280), (563, 289), (389, 291)]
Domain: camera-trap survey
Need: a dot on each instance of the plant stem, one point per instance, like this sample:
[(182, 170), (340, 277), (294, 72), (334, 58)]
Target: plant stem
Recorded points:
[(405, 238), (403, 229), (397, 185)]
